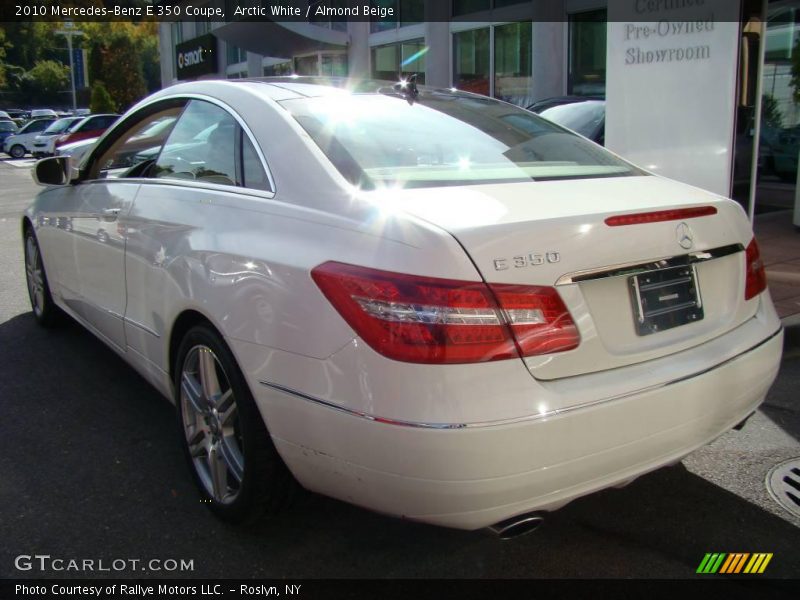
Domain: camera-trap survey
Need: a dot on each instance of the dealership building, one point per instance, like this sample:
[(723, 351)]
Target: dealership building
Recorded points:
[(703, 91)]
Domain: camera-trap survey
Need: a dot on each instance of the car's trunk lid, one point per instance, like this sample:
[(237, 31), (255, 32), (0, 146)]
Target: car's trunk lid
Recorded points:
[(554, 233)]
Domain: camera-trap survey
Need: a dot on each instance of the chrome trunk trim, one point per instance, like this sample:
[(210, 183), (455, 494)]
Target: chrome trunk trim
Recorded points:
[(634, 268)]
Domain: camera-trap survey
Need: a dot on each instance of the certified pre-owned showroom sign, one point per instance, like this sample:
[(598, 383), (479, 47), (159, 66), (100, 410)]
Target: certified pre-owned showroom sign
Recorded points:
[(196, 57)]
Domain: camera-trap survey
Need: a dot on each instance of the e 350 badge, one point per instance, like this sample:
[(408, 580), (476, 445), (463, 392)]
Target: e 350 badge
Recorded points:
[(534, 259)]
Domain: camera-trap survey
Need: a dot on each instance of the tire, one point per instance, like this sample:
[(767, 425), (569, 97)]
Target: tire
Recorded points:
[(233, 461), (46, 313), (17, 151)]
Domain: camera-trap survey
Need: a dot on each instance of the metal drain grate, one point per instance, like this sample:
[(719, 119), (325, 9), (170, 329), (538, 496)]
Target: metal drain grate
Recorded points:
[(783, 484)]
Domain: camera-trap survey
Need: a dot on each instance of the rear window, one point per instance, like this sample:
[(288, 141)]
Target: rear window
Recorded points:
[(60, 126), (444, 139)]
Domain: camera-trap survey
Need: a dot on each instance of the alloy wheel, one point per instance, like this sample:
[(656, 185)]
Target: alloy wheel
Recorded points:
[(17, 151), (210, 419), (34, 275)]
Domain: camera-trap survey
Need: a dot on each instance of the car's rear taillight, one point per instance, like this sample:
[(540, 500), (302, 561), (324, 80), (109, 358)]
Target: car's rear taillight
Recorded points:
[(756, 276), (431, 320), (62, 139)]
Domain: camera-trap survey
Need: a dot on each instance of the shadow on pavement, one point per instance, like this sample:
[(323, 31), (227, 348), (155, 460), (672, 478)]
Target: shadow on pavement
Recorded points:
[(92, 469)]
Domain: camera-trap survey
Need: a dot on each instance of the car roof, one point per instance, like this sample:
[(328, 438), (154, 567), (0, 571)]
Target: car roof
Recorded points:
[(295, 87)]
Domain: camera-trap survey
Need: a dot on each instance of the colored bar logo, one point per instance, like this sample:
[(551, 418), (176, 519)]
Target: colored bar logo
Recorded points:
[(734, 563)]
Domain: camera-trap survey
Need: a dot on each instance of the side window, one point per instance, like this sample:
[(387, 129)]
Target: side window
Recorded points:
[(253, 174), (201, 146), (135, 149), (105, 122)]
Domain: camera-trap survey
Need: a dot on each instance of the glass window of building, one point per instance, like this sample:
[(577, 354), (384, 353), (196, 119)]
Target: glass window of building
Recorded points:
[(465, 7), (513, 53), (385, 62), (587, 53), (278, 69), (335, 23), (411, 12), (235, 55), (307, 65), (407, 12), (202, 26), (471, 68), (392, 61), (333, 65), (378, 25), (177, 32)]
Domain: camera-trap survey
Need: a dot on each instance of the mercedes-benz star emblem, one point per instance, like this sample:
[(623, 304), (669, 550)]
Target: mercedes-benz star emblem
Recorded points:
[(685, 236)]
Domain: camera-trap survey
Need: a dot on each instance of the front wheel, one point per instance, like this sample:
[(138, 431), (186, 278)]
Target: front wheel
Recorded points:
[(45, 311), (236, 466), (17, 151)]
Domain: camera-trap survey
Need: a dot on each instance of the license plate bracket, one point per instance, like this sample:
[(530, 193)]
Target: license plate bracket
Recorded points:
[(665, 298)]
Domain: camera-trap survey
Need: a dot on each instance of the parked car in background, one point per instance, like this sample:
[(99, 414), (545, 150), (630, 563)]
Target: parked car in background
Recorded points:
[(89, 127), (39, 113), (4, 116), (7, 128), (21, 143), (455, 311), (44, 143), (18, 115), (586, 116), (541, 105), (76, 150), (82, 112)]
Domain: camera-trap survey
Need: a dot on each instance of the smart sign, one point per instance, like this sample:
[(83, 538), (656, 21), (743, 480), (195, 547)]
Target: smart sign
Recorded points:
[(196, 57)]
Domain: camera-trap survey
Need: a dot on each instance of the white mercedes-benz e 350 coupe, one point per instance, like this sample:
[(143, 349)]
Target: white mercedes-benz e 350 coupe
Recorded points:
[(425, 302)]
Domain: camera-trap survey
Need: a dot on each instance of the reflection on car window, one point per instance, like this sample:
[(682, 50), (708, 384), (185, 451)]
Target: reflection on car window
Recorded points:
[(138, 145), (201, 146), (254, 175), (445, 139), (583, 117)]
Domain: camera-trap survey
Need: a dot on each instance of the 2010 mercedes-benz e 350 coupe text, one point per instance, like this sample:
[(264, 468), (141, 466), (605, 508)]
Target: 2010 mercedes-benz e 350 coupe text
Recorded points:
[(425, 302)]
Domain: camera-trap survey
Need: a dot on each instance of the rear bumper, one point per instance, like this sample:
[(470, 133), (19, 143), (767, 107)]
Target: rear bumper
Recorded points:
[(472, 477)]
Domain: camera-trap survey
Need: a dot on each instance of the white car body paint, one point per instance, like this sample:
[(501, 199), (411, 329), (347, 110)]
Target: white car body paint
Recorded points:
[(461, 445)]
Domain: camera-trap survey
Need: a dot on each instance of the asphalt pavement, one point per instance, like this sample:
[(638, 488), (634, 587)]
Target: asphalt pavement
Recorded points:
[(91, 468)]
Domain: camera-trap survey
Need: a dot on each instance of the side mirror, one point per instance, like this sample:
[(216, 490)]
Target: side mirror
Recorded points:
[(55, 170)]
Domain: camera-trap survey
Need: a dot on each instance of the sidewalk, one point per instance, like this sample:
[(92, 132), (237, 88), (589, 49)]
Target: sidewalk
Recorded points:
[(779, 242)]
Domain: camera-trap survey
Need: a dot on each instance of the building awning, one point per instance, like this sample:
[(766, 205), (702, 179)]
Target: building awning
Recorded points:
[(281, 39)]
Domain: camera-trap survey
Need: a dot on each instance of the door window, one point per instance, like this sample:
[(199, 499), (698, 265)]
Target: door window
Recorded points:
[(208, 145), (137, 145), (201, 146)]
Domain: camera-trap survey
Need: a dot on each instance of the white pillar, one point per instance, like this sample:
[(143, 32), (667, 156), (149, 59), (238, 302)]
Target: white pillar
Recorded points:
[(358, 50)]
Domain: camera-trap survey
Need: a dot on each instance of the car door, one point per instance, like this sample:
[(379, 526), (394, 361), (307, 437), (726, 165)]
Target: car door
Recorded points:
[(204, 164), (94, 269)]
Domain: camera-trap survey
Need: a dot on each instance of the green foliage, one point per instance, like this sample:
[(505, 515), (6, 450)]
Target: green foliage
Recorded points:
[(3, 44), (795, 82), (101, 101), (117, 53), (122, 54), (770, 112), (45, 80)]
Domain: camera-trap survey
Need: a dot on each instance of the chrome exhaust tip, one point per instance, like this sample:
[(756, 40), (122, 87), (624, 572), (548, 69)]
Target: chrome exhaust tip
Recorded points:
[(517, 526)]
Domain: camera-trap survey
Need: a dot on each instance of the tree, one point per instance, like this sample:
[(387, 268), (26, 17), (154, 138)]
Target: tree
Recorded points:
[(101, 101), (45, 80), (3, 45), (770, 112), (115, 57)]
